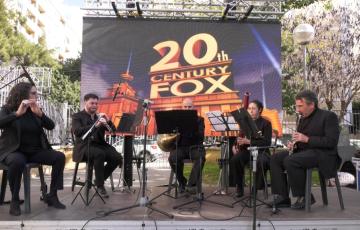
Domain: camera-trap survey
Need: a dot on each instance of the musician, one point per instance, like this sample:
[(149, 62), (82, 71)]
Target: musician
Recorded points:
[(189, 147), (100, 151), (23, 141), (242, 156), (314, 144)]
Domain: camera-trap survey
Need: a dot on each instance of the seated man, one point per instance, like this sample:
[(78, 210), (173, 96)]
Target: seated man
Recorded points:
[(100, 151), (242, 156), (189, 147), (314, 144)]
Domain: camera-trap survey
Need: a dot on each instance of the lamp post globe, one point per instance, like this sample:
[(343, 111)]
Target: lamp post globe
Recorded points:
[(303, 34)]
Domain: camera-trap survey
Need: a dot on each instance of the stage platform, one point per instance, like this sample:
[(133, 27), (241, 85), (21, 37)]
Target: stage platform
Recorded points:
[(194, 216)]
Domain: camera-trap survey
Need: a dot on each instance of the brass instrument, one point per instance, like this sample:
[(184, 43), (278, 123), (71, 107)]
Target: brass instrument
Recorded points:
[(167, 142)]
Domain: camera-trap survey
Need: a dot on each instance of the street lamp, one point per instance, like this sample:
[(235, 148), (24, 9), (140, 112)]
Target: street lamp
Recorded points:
[(303, 34)]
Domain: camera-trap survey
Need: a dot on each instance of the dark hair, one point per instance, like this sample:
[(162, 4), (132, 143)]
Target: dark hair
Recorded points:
[(259, 105), (309, 97), (17, 94), (90, 95)]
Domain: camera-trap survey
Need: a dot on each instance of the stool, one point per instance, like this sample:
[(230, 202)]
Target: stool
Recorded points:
[(27, 184)]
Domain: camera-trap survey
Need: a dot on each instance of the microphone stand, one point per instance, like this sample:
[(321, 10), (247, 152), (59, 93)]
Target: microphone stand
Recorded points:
[(144, 200), (88, 184), (9, 83), (25, 74)]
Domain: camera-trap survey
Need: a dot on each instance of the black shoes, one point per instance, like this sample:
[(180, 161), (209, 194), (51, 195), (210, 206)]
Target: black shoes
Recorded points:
[(102, 191), (15, 208), (182, 186), (280, 202), (191, 190), (239, 191), (53, 201), (300, 202)]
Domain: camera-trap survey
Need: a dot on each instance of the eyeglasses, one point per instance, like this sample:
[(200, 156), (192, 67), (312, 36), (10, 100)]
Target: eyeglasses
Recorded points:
[(187, 107)]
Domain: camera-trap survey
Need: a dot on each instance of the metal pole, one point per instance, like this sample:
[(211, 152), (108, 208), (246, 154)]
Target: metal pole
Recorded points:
[(306, 80)]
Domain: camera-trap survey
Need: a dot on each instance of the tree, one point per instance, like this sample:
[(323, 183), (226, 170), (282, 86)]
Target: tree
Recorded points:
[(287, 48), (64, 90), (14, 45), (333, 60), (72, 68), (295, 4)]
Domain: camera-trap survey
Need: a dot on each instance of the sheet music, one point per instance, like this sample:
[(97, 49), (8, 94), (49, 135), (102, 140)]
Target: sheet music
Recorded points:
[(217, 122)]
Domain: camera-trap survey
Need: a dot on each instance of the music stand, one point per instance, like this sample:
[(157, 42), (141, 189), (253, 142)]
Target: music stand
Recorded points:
[(221, 122), (248, 127), (180, 122), (127, 125)]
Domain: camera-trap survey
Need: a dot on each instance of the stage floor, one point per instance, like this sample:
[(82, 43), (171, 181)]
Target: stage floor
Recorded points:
[(195, 213)]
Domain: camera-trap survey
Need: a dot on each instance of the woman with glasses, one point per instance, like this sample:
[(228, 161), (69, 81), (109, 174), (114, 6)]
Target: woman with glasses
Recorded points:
[(23, 141), (242, 156)]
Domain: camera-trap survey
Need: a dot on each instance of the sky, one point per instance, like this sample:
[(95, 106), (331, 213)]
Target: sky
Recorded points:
[(74, 14)]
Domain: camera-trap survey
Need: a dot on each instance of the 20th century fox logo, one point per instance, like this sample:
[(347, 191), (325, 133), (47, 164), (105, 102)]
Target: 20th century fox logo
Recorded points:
[(206, 70)]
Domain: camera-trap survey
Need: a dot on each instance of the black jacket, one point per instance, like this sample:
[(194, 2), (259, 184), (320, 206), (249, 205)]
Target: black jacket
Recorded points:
[(10, 136), (81, 123), (265, 127), (322, 128)]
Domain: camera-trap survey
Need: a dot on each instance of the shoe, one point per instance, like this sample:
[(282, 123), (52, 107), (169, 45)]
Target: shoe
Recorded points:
[(300, 202), (102, 191), (53, 201), (239, 191), (280, 202), (182, 186), (15, 208), (191, 190)]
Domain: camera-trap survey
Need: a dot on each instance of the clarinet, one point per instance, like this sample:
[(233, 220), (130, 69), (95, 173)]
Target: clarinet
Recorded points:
[(298, 117), (107, 126)]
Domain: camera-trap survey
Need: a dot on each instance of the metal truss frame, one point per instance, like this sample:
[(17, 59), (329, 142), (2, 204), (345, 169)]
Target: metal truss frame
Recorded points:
[(263, 10)]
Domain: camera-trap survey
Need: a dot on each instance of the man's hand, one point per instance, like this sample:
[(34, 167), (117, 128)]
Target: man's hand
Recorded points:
[(290, 145), (102, 121), (299, 137), (104, 115)]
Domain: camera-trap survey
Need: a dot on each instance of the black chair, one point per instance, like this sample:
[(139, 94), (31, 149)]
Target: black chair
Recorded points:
[(27, 183), (173, 184), (323, 190), (345, 153), (77, 181)]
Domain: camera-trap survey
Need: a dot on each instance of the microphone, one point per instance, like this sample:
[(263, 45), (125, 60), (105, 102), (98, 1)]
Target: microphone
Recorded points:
[(147, 101), (27, 75), (116, 92)]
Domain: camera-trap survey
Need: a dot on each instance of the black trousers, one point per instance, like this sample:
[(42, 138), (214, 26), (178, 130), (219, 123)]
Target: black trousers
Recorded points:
[(176, 161), (16, 162), (238, 162), (295, 166), (99, 154)]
